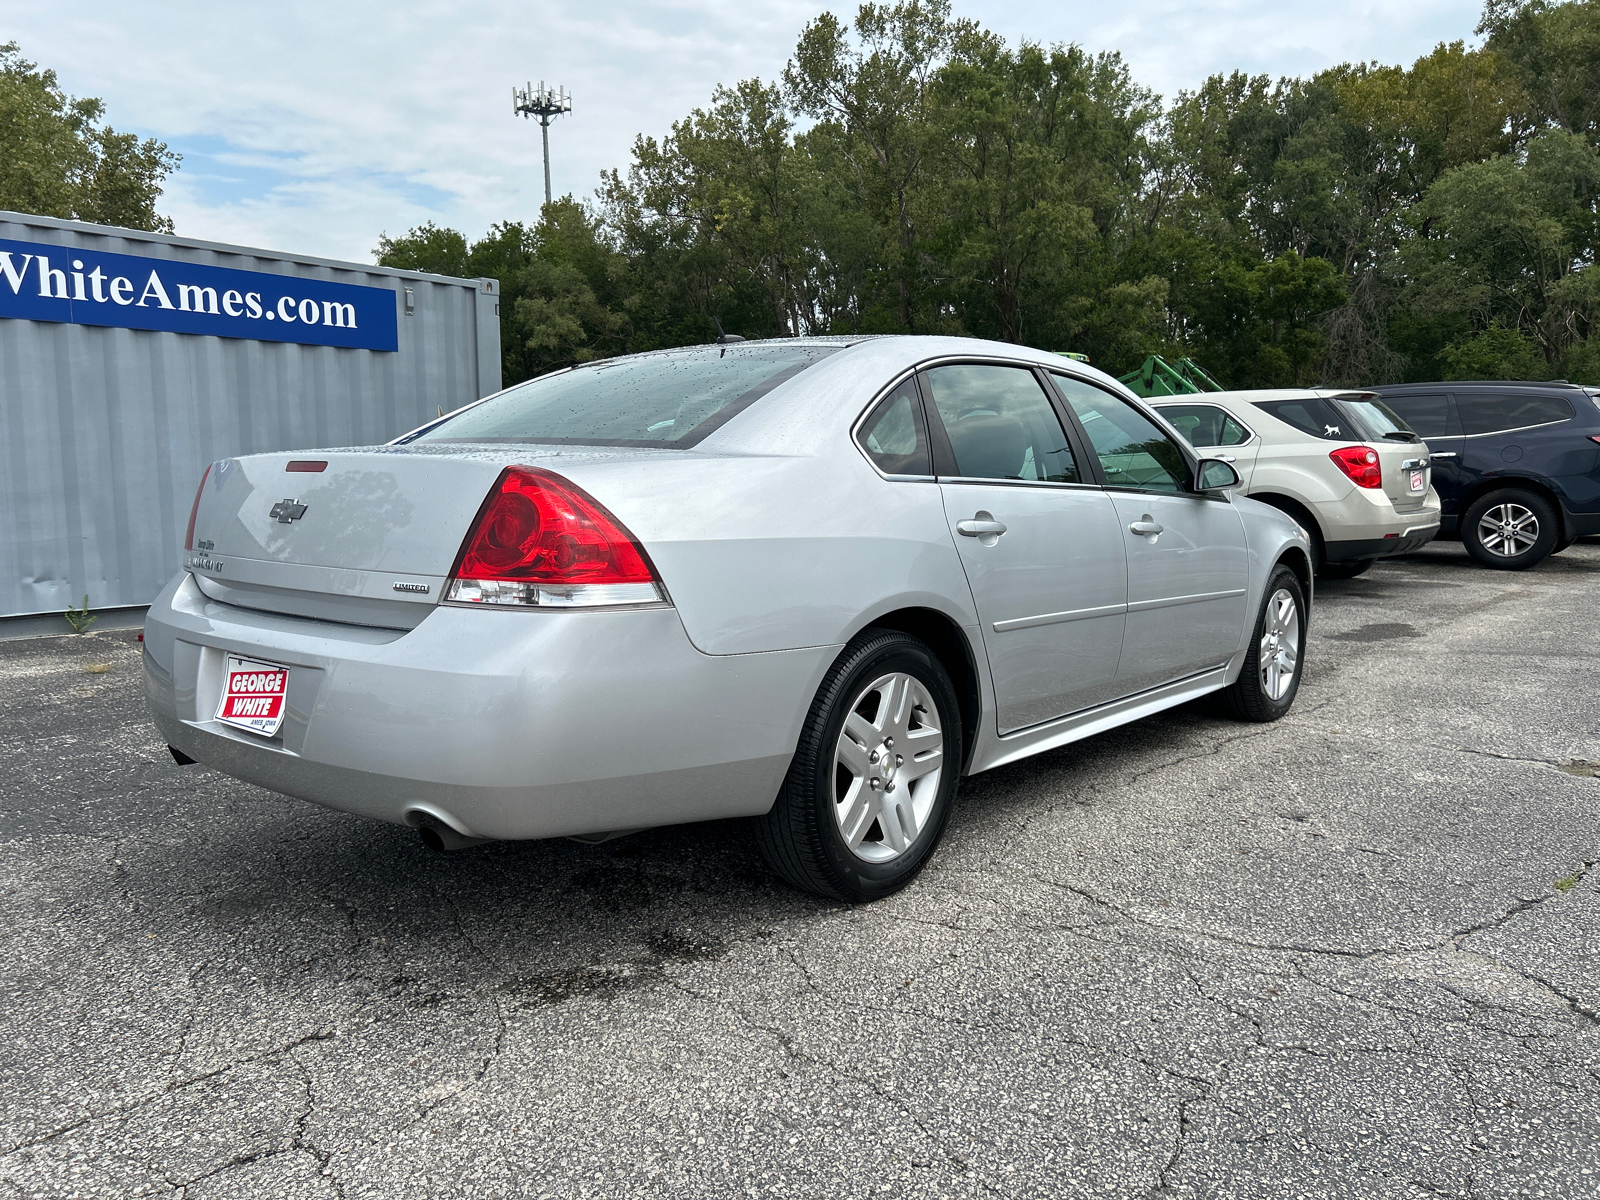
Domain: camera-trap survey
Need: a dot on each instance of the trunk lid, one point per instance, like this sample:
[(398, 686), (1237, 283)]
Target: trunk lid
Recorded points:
[(369, 539), (1399, 460)]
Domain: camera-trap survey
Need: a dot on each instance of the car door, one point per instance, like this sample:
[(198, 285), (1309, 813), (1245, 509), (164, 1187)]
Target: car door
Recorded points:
[(1039, 540), (1215, 432), (1432, 417), (1187, 556)]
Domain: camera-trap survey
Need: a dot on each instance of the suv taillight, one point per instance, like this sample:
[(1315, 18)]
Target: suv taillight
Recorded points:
[(1360, 463), (194, 509), (541, 540)]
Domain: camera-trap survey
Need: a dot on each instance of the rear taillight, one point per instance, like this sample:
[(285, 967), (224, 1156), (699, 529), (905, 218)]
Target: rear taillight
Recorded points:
[(542, 540), (194, 509), (1594, 437), (1360, 463)]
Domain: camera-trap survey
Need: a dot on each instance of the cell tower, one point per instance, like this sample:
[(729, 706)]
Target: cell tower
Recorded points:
[(547, 104)]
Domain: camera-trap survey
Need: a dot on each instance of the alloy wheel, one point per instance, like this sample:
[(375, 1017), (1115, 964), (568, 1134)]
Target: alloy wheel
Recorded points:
[(1279, 656), (887, 767), (1508, 529)]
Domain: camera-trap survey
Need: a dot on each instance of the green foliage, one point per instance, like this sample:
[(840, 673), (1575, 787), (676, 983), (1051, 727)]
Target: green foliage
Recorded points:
[(80, 618), (911, 171), (58, 160)]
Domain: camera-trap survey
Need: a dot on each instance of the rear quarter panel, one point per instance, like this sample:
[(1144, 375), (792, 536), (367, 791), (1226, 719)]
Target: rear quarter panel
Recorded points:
[(766, 552)]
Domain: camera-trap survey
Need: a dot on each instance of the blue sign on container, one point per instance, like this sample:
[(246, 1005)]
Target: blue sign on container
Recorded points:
[(40, 282)]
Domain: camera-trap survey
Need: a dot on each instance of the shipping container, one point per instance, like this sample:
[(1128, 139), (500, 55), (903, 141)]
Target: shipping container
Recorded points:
[(129, 361)]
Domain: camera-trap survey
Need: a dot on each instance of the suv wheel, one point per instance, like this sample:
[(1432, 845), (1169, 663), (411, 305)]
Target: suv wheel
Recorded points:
[(872, 781), (1511, 529)]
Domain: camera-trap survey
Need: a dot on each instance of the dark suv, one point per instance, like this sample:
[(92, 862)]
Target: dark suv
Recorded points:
[(1516, 465)]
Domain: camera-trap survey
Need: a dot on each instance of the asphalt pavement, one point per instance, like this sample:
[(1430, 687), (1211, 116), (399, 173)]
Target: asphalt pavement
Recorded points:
[(1354, 953)]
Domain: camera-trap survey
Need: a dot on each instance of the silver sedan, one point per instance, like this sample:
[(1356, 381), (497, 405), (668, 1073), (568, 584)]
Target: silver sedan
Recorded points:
[(812, 582)]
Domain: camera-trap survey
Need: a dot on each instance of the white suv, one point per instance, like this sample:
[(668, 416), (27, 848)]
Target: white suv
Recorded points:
[(1343, 464)]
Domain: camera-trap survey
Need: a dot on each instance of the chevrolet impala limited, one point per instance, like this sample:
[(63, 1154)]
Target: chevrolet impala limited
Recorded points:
[(813, 582)]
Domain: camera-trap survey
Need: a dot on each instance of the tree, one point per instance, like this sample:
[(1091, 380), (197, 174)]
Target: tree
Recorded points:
[(57, 159)]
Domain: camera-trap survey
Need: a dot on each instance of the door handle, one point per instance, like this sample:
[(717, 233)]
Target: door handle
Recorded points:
[(1146, 528), (1227, 458), (978, 528)]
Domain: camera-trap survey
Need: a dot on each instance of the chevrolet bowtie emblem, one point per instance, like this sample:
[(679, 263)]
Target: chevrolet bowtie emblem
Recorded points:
[(287, 510)]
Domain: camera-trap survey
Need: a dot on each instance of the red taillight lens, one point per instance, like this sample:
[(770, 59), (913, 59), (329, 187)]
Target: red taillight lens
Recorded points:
[(542, 540), (1360, 463), (194, 509)]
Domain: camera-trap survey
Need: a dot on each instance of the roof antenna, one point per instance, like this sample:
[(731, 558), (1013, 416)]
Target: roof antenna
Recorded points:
[(724, 338)]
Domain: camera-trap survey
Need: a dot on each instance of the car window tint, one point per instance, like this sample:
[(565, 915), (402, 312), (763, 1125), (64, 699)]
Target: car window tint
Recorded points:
[(1205, 424), (1133, 451), (1312, 415), (1489, 413), (1377, 416), (1000, 424), (671, 399), (894, 436), (1428, 416)]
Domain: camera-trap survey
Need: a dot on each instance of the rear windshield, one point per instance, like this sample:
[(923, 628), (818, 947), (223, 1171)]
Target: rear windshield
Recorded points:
[(1380, 420), (672, 399), (1313, 415)]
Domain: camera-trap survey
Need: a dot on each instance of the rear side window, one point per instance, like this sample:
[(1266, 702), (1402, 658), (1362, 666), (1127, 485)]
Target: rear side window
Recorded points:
[(1205, 424), (1489, 413), (1428, 416), (1312, 415), (894, 435), (671, 400), (1000, 424)]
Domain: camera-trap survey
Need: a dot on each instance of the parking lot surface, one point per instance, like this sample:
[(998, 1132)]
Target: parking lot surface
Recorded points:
[(1355, 953)]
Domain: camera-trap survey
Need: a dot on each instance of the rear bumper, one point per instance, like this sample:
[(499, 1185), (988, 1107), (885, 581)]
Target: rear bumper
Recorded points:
[(1406, 540), (499, 724)]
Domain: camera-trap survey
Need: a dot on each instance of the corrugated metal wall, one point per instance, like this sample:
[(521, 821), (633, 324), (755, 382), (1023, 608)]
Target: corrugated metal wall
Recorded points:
[(104, 432)]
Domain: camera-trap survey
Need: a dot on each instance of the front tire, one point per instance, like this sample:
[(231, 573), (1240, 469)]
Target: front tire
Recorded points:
[(869, 791), (1270, 678), (1510, 529)]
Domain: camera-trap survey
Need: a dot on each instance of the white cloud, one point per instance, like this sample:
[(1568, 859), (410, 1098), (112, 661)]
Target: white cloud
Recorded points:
[(315, 126)]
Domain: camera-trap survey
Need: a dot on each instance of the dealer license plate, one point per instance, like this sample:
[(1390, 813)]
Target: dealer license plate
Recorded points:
[(1416, 481), (254, 696)]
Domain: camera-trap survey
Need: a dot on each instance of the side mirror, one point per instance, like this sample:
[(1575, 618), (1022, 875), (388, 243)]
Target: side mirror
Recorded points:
[(1214, 475)]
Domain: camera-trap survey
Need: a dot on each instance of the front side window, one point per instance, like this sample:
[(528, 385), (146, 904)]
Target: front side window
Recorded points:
[(1133, 451), (1000, 424), (1205, 424), (672, 400), (1429, 416), (1488, 413), (1314, 415), (894, 436)]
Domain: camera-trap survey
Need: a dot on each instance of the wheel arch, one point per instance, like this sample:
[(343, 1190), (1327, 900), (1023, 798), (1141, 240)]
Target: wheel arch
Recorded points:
[(1298, 561), (947, 640), (1297, 509), (1496, 483)]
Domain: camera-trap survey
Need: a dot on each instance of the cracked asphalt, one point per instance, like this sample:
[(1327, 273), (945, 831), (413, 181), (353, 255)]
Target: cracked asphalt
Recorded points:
[(1355, 953)]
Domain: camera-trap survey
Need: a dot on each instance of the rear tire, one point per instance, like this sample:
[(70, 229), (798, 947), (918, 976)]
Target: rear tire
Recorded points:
[(1345, 570), (1270, 678), (1510, 529), (873, 778)]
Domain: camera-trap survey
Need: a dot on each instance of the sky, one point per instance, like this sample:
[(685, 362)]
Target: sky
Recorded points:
[(313, 128)]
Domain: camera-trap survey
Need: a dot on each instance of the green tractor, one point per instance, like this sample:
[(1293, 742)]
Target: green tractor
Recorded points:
[(1157, 377)]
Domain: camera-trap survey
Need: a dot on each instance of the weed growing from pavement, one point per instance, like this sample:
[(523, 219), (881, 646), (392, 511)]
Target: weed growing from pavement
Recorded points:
[(80, 618), (1567, 884)]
